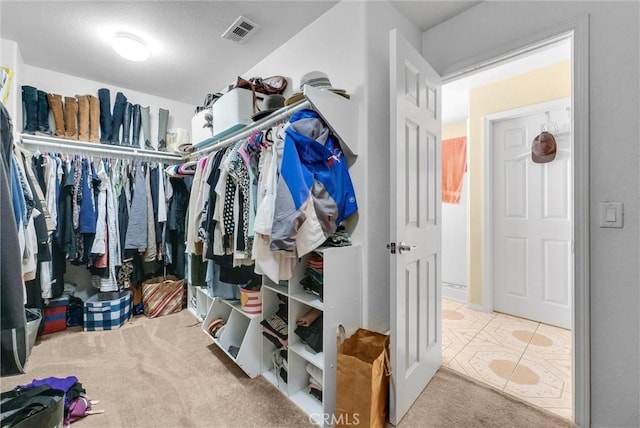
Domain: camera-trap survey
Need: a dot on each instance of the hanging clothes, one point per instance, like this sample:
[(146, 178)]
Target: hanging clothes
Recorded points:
[(277, 265), (268, 199), (138, 215), (13, 350), (181, 189), (100, 207), (196, 206), (106, 242), (315, 192)]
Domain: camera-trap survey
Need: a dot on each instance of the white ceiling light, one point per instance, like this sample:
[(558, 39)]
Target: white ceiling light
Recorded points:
[(130, 47)]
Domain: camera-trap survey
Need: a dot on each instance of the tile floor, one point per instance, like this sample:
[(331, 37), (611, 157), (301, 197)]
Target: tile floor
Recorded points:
[(524, 358)]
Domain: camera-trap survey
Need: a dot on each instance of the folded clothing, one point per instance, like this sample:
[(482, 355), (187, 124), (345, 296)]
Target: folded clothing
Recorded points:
[(277, 325), (311, 286), (309, 317), (273, 338), (315, 373), (339, 239), (312, 334), (315, 261), (233, 350)]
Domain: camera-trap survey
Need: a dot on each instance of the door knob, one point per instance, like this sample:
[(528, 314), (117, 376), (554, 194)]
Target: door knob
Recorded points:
[(404, 247)]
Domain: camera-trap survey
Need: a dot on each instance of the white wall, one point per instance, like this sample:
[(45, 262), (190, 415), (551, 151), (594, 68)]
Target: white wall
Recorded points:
[(350, 43), (335, 45), (67, 85), (454, 238), (11, 57), (614, 47), (455, 219), (380, 18)]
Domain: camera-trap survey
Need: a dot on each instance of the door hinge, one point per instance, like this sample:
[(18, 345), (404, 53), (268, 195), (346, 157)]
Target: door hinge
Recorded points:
[(392, 247)]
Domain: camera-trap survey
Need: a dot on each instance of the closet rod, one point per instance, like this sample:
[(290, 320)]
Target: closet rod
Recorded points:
[(52, 144), (270, 120)]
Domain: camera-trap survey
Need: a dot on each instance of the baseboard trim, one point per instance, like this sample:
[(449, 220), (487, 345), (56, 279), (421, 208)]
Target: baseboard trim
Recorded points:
[(454, 292), (476, 307)]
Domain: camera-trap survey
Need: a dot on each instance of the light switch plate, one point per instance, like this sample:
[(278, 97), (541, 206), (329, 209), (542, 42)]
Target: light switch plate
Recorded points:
[(611, 214)]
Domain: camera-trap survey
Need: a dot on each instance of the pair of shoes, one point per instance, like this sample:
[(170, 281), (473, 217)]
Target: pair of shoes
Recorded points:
[(279, 358), (280, 364)]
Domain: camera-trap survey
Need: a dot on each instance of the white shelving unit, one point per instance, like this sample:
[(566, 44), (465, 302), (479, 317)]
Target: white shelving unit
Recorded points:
[(241, 331), (198, 301), (342, 285), (342, 267)]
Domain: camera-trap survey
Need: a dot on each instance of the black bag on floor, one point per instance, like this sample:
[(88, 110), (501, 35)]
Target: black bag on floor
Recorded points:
[(41, 407)]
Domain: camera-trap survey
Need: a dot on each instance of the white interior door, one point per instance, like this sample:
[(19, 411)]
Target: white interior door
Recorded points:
[(532, 219), (416, 335)]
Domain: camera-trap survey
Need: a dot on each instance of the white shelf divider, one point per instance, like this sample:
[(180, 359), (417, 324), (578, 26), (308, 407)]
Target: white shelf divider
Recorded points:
[(241, 330)]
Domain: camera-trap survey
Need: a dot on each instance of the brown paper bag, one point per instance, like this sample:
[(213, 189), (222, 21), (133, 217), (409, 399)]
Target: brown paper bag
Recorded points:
[(362, 384)]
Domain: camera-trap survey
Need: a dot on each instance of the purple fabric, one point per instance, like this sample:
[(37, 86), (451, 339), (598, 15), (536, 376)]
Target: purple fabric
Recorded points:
[(62, 384), (77, 410)]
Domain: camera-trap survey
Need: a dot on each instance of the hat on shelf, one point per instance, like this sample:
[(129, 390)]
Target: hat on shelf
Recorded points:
[(317, 79), (544, 148), (270, 103)]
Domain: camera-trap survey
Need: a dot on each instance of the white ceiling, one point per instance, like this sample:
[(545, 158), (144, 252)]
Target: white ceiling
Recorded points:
[(189, 57)]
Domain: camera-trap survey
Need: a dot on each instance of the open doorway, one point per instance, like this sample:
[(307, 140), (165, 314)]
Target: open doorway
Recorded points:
[(521, 353)]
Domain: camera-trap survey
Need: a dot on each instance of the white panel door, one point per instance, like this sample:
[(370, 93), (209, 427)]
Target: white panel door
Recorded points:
[(532, 221), (416, 336)]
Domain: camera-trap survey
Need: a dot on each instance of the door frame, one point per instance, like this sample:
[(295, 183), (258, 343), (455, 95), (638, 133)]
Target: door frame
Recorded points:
[(578, 31), (488, 121)]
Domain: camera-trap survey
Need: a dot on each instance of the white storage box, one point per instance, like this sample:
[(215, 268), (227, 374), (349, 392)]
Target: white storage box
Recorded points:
[(199, 130), (232, 111)]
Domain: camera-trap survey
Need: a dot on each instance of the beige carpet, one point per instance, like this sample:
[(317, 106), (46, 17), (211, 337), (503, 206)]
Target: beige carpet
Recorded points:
[(166, 373)]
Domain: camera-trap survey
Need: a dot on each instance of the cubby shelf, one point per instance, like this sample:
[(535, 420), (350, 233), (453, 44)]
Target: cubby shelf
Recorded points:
[(241, 331), (340, 304), (341, 294)]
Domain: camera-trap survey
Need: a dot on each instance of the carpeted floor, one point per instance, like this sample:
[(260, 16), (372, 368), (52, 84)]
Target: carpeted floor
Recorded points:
[(166, 373)]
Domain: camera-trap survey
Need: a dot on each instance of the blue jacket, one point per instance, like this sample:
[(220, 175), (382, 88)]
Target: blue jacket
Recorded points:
[(313, 170)]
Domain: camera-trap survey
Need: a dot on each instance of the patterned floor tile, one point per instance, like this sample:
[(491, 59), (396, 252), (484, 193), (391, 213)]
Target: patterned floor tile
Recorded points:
[(458, 338), (558, 365), (552, 340), (491, 366), (529, 360)]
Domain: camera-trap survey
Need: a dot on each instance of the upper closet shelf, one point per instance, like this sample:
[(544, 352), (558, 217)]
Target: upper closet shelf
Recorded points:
[(339, 113), (74, 147), (226, 139)]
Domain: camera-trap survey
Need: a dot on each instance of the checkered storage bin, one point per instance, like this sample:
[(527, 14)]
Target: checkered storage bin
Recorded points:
[(107, 311)]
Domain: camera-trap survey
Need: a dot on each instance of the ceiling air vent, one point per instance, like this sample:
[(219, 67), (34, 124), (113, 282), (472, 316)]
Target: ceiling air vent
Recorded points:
[(240, 30)]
